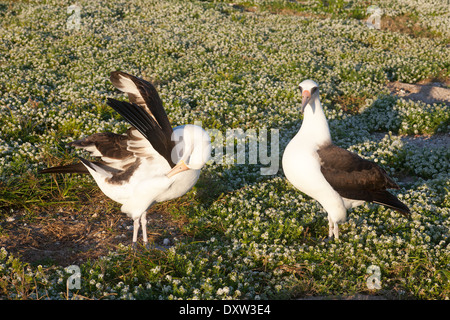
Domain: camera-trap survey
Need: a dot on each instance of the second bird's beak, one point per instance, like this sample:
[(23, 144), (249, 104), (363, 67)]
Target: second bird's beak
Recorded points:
[(306, 96), (180, 167)]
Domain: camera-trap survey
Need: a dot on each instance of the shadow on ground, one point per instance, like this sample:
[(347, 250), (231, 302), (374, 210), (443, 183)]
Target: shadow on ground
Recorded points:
[(66, 236)]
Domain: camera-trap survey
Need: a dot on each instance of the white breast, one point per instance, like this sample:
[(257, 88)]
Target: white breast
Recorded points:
[(301, 166)]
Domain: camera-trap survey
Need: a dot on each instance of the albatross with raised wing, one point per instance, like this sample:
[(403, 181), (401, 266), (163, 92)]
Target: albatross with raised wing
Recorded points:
[(152, 162)]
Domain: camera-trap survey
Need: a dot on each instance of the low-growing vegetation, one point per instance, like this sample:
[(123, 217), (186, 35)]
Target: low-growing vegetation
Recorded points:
[(239, 234)]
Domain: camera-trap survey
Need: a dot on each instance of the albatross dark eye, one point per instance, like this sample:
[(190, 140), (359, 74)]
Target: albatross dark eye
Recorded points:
[(313, 90), (301, 89)]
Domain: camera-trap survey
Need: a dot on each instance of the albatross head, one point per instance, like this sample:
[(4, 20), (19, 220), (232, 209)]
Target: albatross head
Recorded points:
[(309, 89), (192, 148)]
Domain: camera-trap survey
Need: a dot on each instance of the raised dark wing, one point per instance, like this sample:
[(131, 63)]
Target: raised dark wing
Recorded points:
[(146, 125), (356, 178), (119, 153), (145, 112), (144, 94)]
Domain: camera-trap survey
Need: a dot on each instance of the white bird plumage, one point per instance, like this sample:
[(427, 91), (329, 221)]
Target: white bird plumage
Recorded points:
[(151, 163), (337, 179)]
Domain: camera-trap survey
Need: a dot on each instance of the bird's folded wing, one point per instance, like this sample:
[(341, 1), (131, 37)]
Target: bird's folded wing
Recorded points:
[(356, 178), (347, 171)]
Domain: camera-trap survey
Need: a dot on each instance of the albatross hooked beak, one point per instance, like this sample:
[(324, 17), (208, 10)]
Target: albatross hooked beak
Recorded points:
[(306, 96), (179, 167)]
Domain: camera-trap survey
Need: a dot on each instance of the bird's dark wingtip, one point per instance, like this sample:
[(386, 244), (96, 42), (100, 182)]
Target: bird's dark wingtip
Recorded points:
[(115, 73)]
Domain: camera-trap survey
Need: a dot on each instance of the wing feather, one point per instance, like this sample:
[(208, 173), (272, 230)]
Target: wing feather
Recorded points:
[(146, 125), (110, 147), (356, 178), (144, 94), (145, 112), (346, 170), (150, 136)]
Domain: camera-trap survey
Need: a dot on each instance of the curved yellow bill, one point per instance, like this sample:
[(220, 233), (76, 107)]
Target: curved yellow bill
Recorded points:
[(179, 167)]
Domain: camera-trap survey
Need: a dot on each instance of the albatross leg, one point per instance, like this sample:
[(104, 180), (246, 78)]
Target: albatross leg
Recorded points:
[(330, 228), (333, 230), (144, 229), (135, 232), (336, 231)]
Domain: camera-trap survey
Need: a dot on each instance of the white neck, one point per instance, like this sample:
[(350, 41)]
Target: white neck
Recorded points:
[(314, 130)]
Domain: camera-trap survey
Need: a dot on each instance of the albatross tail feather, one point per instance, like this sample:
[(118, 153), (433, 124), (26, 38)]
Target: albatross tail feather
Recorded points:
[(388, 199), (70, 168), (82, 167)]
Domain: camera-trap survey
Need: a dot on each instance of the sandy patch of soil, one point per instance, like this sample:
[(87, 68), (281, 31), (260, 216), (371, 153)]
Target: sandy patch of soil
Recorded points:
[(428, 92)]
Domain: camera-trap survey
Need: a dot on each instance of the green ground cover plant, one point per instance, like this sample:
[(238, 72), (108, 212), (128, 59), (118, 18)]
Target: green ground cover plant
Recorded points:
[(230, 65)]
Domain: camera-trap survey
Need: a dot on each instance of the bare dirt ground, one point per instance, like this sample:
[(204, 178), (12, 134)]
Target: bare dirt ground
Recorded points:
[(64, 235), (426, 91), (430, 92)]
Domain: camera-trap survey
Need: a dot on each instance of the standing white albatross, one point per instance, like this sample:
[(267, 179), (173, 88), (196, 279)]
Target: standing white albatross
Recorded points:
[(150, 163), (336, 178)]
